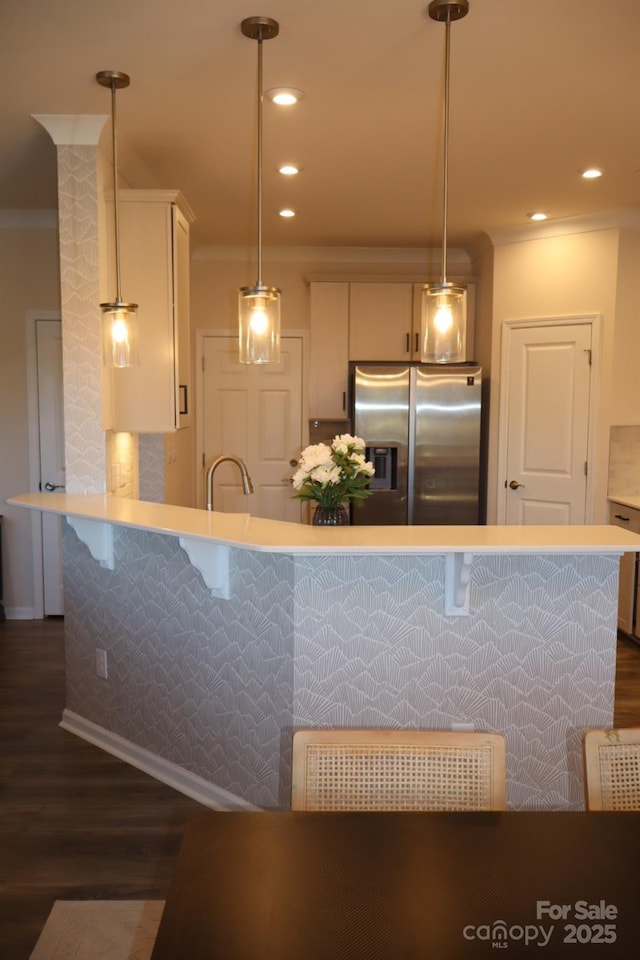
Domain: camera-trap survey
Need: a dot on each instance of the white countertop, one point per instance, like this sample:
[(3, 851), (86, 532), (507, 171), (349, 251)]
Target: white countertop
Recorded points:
[(633, 502), (272, 536)]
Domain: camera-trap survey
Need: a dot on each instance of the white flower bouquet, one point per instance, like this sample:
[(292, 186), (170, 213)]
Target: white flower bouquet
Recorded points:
[(333, 475)]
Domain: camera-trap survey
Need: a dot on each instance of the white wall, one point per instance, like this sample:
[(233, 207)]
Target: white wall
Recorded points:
[(573, 275), (625, 376), (29, 280)]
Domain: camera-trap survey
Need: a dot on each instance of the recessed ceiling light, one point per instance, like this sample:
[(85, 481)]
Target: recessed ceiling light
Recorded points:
[(287, 213), (591, 173), (284, 96), (537, 216), (289, 169)]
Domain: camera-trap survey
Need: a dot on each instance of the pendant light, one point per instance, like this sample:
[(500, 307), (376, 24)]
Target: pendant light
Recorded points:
[(259, 306), (118, 318), (444, 304)]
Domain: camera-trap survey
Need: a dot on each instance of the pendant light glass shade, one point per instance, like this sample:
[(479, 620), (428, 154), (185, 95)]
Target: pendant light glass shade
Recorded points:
[(444, 323), (259, 318), (443, 329), (259, 306), (119, 322), (119, 334)]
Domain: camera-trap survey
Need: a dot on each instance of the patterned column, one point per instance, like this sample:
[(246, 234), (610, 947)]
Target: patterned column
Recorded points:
[(76, 139)]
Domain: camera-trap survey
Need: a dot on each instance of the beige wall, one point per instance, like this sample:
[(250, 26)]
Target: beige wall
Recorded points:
[(625, 377), (570, 276), (29, 280), (179, 466)]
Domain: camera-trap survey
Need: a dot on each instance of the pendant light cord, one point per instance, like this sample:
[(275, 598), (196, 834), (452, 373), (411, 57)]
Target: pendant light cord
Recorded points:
[(116, 224), (259, 245), (445, 195)]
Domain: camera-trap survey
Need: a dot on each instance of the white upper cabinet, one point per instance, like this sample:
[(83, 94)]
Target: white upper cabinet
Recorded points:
[(155, 395), (360, 320), (380, 321), (329, 350)]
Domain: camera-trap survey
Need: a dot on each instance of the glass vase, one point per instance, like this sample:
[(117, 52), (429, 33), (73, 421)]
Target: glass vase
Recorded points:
[(330, 516)]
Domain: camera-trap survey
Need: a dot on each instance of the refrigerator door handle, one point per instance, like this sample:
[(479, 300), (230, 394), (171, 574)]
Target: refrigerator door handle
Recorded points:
[(411, 459)]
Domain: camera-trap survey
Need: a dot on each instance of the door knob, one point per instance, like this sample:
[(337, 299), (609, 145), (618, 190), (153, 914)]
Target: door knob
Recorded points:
[(514, 484), (293, 463), (50, 487)]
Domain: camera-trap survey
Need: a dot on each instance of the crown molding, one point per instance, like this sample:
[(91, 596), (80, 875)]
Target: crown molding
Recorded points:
[(389, 255), (72, 130), (587, 223)]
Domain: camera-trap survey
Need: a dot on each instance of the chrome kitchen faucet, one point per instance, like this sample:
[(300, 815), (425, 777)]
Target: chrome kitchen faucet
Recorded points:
[(247, 485)]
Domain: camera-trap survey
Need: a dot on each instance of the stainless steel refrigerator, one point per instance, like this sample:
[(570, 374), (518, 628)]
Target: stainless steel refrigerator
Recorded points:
[(421, 424)]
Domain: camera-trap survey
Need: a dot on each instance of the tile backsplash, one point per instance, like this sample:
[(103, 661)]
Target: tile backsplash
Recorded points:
[(624, 462)]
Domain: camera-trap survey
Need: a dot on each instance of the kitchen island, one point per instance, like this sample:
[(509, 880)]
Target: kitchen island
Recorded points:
[(223, 633)]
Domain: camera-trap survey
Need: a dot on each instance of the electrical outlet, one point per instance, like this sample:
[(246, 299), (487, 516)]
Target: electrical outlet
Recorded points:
[(102, 669), (463, 727)]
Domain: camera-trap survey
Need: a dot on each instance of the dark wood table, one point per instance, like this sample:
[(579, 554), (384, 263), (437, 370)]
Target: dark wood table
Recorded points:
[(2, 614), (404, 886)]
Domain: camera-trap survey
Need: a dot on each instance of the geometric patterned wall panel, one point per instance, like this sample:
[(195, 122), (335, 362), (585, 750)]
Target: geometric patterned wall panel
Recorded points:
[(152, 466), (217, 686), (202, 682), (534, 661), (81, 319)]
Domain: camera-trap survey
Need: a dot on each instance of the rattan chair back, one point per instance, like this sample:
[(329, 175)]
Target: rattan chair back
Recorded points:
[(397, 770), (612, 769)]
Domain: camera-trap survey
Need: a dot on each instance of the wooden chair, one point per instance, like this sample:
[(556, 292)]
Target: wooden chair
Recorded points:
[(397, 770), (612, 769)]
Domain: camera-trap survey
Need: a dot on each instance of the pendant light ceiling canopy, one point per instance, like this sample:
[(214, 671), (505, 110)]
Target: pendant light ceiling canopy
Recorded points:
[(259, 306), (118, 317), (443, 315)]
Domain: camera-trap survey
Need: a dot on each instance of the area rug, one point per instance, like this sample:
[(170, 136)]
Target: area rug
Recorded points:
[(99, 930)]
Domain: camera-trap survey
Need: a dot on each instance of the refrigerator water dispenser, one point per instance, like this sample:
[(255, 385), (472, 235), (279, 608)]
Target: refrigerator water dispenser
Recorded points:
[(385, 461)]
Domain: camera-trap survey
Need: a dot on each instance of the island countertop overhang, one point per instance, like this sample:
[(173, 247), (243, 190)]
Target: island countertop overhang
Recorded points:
[(273, 536)]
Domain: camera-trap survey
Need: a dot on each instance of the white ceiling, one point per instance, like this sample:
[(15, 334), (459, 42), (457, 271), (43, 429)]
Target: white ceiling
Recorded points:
[(539, 89)]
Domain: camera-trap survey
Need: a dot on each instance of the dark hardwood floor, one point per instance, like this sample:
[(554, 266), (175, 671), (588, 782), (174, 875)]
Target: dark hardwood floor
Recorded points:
[(627, 701), (75, 823), (79, 824)]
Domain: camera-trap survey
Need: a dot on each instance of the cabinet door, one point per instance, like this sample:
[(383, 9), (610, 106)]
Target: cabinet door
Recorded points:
[(329, 350), (154, 261), (380, 321), (184, 400)]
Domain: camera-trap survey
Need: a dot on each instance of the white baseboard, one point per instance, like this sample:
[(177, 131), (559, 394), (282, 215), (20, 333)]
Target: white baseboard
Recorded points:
[(170, 773), (19, 613)]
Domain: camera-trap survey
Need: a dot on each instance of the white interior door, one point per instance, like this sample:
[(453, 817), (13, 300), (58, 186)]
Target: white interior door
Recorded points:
[(51, 449), (548, 382), (254, 412)]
